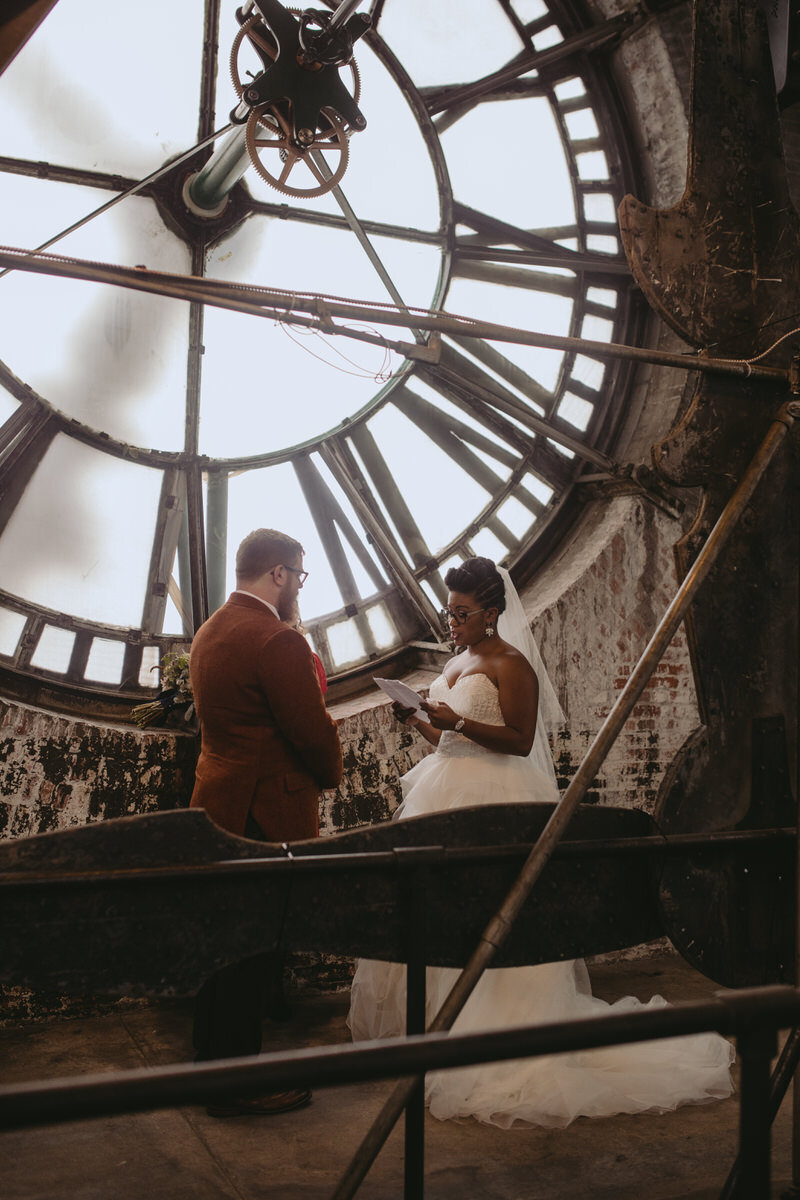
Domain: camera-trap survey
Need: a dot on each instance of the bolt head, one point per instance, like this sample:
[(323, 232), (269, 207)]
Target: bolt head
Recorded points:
[(305, 136)]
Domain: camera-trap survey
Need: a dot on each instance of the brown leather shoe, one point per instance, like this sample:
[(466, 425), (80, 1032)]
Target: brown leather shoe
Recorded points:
[(261, 1106)]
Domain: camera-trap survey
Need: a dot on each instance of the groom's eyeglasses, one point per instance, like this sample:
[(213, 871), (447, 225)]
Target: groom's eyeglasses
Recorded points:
[(302, 576), (459, 615)]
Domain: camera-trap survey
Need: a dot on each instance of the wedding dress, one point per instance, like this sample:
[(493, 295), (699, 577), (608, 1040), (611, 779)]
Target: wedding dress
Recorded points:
[(654, 1076)]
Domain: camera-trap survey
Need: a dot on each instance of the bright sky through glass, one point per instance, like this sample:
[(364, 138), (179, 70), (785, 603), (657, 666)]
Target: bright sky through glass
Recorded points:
[(117, 91)]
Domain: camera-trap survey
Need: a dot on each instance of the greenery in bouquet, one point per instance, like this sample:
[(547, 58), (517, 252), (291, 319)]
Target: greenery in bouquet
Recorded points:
[(175, 694)]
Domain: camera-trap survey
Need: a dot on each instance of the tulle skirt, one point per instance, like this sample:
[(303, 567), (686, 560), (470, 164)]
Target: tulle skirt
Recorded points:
[(655, 1076), (553, 1090)]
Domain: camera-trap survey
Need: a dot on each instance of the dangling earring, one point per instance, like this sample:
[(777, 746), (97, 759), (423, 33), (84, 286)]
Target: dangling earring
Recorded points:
[(490, 630)]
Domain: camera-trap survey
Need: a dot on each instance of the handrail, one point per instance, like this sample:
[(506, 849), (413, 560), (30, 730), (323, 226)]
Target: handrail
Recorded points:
[(74, 1097), (751, 1015), (498, 928), (659, 845)]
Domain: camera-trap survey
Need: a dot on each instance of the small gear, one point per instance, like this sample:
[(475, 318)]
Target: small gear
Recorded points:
[(270, 132)]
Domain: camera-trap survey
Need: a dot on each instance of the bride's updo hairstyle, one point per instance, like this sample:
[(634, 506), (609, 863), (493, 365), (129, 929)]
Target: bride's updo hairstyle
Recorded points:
[(478, 577)]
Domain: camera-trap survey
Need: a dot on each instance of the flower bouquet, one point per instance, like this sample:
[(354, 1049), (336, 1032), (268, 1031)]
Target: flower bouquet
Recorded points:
[(175, 694)]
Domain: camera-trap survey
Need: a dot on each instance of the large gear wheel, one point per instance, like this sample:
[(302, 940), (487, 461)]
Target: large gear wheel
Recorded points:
[(269, 132), (266, 43)]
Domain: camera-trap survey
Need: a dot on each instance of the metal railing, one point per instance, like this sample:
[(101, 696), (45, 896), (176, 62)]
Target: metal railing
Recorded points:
[(498, 928), (751, 1016)]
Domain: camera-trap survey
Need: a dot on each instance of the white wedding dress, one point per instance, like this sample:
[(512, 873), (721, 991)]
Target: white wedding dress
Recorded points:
[(652, 1076)]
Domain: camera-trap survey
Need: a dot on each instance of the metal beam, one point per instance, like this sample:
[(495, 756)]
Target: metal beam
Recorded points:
[(275, 304), (384, 485), (439, 99), (401, 573), (216, 536)]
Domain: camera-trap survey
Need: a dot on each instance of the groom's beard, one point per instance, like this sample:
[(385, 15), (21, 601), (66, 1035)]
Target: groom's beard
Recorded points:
[(289, 611)]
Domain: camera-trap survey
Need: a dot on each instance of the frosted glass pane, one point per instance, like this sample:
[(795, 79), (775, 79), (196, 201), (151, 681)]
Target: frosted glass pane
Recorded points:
[(377, 500), (521, 309), (382, 626), (605, 296), (173, 622), (105, 661), (422, 470), (11, 627), (581, 124), (516, 516), (447, 408), (602, 244), (148, 672), (592, 165), (600, 206), (429, 592), (345, 643), (113, 358), (551, 36), (529, 10), (487, 544), (575, 410), (267, 386), (588, 371), (272, 253), (80, 539), (54, 649), (478, 36), (525, 139), (35, 210), (93, 91), (542, 491), (570, 89), (597, 329), (272, 498), (8, 406)]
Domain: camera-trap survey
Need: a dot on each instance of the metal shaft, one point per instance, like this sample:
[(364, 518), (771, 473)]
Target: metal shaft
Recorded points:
[(496, 931), (209, 188), (287, 306), (343, 13)]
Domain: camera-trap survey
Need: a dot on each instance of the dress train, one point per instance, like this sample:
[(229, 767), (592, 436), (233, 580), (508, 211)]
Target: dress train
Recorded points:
[(551, 1090)]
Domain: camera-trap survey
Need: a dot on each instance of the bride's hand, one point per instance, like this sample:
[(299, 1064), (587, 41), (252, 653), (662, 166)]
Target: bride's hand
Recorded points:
[(442, 715), (405, 715)]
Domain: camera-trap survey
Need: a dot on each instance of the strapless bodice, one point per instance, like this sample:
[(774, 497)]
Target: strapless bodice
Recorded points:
[(473, 696)]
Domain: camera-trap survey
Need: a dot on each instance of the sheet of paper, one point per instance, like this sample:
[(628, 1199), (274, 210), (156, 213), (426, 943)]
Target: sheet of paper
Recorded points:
[(404, 695)]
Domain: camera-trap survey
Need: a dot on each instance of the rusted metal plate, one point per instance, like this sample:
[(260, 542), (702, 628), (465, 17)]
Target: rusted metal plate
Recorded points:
[(153, 904), (735, 920), (721, 267)]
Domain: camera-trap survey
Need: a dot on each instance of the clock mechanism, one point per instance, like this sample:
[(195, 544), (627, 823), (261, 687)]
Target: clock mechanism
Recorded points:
[(298, 105)]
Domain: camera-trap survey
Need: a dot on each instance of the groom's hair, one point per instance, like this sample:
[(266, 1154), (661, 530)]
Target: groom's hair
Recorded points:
[(478, 577), (264, 549)]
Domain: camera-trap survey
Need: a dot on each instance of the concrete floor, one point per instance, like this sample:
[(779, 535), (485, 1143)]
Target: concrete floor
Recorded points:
[(183, 1153)]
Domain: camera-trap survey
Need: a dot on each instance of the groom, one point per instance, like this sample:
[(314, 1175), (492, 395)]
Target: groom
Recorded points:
[(268, 746)]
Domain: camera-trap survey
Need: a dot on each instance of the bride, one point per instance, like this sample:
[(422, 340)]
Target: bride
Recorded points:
[(489, 711)]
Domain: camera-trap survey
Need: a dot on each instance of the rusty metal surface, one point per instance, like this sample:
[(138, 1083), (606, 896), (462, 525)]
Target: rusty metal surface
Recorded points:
[(722, 269), (153, 904)]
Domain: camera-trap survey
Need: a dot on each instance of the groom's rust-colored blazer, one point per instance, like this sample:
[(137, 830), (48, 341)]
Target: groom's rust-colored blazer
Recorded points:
[(268, 742)]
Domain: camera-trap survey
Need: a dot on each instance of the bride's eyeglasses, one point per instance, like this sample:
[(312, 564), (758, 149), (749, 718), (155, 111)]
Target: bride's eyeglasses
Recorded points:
[(459, 615)]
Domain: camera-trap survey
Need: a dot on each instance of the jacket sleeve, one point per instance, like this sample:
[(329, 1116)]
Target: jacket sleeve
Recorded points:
[(289, 679)]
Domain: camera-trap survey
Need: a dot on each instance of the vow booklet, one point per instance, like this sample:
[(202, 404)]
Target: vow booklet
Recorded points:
[(404, 695)]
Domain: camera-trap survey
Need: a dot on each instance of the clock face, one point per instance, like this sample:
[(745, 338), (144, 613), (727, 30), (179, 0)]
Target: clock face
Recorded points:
[(146, 435)]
